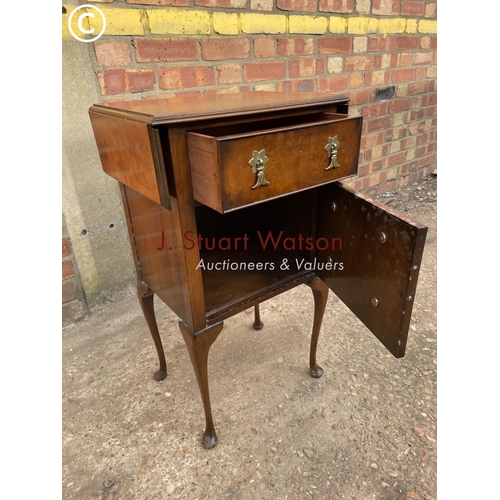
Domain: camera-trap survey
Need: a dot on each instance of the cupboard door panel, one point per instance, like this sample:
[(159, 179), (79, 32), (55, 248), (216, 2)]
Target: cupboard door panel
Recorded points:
[(378, 261)]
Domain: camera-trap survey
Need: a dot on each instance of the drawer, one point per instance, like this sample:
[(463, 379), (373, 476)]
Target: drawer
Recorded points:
[(234, 166)]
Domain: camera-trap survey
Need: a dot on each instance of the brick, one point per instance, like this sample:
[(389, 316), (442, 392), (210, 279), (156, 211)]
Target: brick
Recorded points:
[(363, 6), (431, 72), (394, 25), (378, 124), (299, 5), (358, 63), (412, 8), (228, 73), (335, 65), (297, 46), (316, 25), (217, 49), (176, 3), (405, 59), (385, 7), (425, 42), (185, 77), (417, 115), (140, 80), (360, 44), (430, 10), (407, 42), (388, 186), (434, 42), (254, 24), (72, 311), (379, 109), (264, 5), (381, 44), (68, 290), (178, 22), (398, 105), (66, 247), (376, 152), (362, 25), (429, 99), (254, 72), (427, 26), (377, 78), (403, 75), (395, 146), (355, 81), (119, 21), (224, 4), (225, 23), (151, 50), (422, 58), (296, 86), (112, 81), (335, 45), (411, 25), (113, 52), (337, 25), (431, 112), (264, 47), (394, 160), (306, 67), (268, 87), (408, 143), (369, 141), (67, 270), (385, 61), (338, 6), (359, 97), (420, 73), (362, 169), (332, 84)]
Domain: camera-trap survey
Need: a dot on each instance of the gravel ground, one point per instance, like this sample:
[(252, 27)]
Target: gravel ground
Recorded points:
[(365, 430)]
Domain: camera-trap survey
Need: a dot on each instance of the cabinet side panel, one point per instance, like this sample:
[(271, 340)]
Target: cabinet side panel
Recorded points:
[(159, 246), (127, 153)]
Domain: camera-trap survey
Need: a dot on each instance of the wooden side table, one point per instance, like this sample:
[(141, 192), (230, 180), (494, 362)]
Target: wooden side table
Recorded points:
[(233, 199)]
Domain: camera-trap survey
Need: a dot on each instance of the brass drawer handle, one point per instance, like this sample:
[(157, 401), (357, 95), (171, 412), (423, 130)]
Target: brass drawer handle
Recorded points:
[(332, 149), (258, 164)]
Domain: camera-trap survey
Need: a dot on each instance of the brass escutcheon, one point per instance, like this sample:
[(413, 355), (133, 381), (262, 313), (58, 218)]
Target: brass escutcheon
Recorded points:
[(332, 150), (258, 164)]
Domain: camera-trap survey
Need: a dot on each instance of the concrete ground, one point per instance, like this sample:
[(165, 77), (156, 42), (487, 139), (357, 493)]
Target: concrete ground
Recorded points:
[(365, 430)]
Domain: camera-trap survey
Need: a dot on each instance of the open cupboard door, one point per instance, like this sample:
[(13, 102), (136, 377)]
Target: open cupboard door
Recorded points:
[(381, 251)]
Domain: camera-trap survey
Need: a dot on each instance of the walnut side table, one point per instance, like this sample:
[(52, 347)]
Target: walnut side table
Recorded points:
[(233, 199)]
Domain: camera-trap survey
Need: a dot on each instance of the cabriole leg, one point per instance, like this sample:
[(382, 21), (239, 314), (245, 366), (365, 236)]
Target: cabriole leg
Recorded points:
[(257, 324), (320, 293), (146, 297), (198, 345)]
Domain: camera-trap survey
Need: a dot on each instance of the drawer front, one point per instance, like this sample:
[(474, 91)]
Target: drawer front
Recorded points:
[(227, 168)]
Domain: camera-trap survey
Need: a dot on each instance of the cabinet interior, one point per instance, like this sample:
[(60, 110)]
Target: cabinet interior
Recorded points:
[(249, 236)]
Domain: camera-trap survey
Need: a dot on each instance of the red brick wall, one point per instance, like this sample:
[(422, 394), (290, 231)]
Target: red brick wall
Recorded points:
[(74, 306), (390, 79)]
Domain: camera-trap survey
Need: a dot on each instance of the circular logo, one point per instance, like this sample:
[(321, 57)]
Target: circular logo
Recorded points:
[(84, 15)]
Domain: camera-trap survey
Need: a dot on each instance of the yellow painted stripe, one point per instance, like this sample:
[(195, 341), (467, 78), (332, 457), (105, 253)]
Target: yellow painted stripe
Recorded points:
[(140, 21)]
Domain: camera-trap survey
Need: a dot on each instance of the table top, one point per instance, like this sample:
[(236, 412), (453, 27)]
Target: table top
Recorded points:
[(185, 109)]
